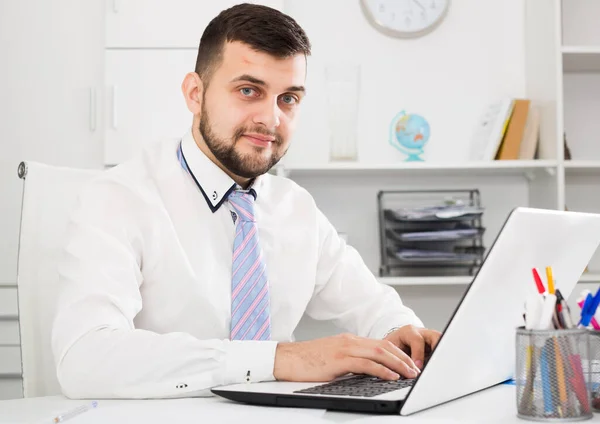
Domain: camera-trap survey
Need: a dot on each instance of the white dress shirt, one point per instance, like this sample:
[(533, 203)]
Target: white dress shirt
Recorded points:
[(145, 281)]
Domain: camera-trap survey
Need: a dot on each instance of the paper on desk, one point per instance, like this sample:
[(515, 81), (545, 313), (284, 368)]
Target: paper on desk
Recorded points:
[(194, 410)]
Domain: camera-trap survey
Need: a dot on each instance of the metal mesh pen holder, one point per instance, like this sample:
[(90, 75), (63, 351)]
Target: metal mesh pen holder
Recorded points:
[(550, 377), (594, 369)]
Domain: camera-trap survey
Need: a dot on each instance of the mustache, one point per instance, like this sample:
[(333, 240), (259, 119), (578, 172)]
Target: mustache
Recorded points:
[(240, 131)]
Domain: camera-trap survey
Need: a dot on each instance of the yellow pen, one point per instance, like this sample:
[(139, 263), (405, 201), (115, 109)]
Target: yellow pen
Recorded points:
[(550, 280), (560, 375)]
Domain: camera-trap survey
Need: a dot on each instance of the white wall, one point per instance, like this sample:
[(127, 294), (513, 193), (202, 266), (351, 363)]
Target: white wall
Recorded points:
[(474, 57)]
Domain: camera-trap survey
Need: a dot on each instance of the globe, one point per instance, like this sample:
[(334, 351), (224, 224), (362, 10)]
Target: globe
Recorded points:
[(410, 133)]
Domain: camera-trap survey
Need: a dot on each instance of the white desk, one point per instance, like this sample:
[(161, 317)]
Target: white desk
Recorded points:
[(495, 405)]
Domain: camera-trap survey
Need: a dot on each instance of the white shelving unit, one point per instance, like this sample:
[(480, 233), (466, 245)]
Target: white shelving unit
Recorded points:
[(459, 280), (581, 58), (578, 90), (516, 167)]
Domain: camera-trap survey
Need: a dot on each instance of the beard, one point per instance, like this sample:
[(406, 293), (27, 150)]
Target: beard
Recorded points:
[(243, 165)]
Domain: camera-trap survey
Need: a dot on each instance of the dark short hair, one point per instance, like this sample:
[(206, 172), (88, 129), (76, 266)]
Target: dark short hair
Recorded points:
[(262, 28)]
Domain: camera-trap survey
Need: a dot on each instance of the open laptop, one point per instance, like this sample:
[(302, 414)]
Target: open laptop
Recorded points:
[(477, 347)]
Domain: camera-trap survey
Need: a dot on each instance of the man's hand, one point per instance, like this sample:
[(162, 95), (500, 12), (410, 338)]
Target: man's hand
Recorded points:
[(417, 342), (331, 357)]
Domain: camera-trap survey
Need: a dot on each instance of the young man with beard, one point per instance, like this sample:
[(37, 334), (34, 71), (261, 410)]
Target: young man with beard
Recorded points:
[(189, 267)]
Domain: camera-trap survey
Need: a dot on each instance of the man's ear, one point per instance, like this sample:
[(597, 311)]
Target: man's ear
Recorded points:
[(192, 89)]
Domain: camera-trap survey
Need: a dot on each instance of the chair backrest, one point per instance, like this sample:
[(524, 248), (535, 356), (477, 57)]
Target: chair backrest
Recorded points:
[(49, 193)]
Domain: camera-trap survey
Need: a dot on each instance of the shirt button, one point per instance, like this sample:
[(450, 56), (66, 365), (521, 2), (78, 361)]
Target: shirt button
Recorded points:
[(215, 195)]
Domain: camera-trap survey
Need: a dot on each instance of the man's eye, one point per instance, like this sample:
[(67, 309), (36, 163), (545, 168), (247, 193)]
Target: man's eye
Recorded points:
[(247, 91), (289, 100)]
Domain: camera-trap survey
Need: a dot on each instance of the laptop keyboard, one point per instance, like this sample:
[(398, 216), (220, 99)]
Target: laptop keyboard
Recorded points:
[(360, 385)]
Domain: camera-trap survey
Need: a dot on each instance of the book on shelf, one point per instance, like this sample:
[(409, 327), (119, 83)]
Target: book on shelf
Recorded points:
[(531, 135), (490, 129), (507, 130), (510, 146)]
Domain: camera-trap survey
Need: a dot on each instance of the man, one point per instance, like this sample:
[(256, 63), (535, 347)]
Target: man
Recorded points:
[(190, 267)]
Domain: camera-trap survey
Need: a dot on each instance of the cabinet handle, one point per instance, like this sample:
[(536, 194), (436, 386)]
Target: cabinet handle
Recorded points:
[(115, 6), (114, 107), (92, 109)]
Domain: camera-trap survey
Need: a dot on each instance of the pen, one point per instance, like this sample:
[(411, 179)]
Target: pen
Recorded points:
[(533, 310), (550, 280), (595, 303), (563, 310), (546, 387), (538, 281), (586, 317), (74, 412), (547, 312), (560, 376)]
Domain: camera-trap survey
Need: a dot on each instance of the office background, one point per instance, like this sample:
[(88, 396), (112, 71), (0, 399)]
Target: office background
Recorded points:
[(87, 84)]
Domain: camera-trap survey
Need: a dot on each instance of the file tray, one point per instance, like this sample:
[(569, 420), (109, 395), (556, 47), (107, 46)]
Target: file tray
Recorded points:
[(430, 232), (459, 233)]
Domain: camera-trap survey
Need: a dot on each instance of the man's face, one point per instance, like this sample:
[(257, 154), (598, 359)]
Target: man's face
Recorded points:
[(250, 108)]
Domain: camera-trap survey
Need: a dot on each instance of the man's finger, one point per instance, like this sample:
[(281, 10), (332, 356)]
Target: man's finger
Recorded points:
[(383, 356), (415, 340), (431, 337)]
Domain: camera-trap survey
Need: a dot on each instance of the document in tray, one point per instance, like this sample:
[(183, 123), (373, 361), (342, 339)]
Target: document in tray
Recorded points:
[(439, 235), (433, 255), (436, 213)]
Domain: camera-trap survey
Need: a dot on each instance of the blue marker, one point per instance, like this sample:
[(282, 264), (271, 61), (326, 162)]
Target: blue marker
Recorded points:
[(586, 317)]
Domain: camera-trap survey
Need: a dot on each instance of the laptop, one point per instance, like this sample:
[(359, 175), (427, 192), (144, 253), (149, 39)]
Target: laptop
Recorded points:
[(477, 347)]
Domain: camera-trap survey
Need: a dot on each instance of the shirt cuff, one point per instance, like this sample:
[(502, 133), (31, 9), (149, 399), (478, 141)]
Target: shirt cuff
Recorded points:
[(384, 327), (249, 361)]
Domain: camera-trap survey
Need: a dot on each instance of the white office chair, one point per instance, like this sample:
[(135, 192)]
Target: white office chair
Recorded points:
[(49, 193)]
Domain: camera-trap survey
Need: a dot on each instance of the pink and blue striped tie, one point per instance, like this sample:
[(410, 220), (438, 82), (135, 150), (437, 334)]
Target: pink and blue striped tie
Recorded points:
[(250, 306)]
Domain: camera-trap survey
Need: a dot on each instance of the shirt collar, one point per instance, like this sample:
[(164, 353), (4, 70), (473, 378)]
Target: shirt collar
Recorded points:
[(212, 181)]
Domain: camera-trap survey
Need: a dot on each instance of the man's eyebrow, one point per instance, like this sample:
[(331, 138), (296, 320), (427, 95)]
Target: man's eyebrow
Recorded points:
[(296, 88), (254, 80), (251, 79)]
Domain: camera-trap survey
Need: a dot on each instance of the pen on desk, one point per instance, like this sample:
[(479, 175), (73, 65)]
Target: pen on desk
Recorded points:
[(74, 412)]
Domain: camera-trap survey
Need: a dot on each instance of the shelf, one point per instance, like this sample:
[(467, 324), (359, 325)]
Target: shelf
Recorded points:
[(581, 58), (590, 278), (512, 167), (426, 281), (573, 167), (456, 281)]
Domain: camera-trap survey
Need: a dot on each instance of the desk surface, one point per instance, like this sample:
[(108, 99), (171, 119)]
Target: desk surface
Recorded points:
[(494, 405)]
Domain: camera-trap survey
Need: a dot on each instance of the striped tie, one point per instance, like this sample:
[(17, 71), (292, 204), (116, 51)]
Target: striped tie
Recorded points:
[(250, 314)]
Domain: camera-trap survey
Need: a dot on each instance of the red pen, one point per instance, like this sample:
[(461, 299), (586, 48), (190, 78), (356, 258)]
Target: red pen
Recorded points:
[(538, 281)]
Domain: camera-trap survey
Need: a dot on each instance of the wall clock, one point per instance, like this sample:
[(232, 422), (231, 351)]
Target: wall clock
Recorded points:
[(405, 18)]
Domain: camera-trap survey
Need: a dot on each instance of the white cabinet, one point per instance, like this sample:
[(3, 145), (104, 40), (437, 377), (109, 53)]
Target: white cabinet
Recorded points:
[(8, 302), (11, 388), (145, 103), (159, 23), (51, 85), (51, 82)]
